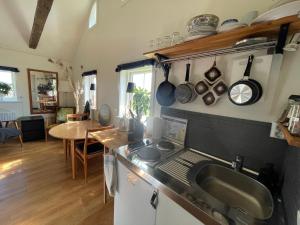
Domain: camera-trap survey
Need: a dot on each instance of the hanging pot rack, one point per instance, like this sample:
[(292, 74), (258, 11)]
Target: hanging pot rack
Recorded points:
[(269, 45)]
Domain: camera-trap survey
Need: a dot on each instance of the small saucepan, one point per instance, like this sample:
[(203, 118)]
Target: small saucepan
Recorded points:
[(185, 92), (246, 91)]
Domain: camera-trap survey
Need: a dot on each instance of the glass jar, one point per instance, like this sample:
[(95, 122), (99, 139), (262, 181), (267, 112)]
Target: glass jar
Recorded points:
[(158, 43), (294, 120), (152, 44), (166, 41), (175, 38)]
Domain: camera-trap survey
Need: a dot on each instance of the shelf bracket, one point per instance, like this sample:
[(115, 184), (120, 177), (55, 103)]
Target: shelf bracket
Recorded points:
[(282, 36), (165, 66)]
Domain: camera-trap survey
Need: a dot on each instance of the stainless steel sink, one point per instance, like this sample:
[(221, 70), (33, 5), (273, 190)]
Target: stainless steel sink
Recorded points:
[(234, 194)]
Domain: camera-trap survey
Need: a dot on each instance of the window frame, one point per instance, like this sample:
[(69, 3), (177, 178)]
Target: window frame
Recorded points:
[(14, 98), (86, 89), (125, 77), (94, 6)]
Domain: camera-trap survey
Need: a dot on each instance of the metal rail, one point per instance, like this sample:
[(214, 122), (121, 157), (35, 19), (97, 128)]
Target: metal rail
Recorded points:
[(223, 51)]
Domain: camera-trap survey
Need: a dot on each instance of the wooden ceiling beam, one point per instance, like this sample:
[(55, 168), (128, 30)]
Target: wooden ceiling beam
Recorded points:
[(41, 13)]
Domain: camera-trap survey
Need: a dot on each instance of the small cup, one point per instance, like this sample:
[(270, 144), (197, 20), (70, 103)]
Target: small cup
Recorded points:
[(249, 17), (175, 38), (166, 41)]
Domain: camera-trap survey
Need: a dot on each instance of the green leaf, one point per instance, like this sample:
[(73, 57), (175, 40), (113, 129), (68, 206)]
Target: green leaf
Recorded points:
[(4, 88), (141, 102)]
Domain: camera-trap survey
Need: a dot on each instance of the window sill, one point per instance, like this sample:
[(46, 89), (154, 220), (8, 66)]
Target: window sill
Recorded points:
[(3, 102)]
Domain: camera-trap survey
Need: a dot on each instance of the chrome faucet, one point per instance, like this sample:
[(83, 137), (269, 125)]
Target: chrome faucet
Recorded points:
[(237, 163)]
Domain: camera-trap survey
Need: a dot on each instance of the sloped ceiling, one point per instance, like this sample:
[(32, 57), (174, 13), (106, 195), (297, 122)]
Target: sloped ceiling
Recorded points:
[(62, 31)]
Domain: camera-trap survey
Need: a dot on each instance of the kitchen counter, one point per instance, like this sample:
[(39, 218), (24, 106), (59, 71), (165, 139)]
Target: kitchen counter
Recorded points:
[(111, 138), (181, 193)]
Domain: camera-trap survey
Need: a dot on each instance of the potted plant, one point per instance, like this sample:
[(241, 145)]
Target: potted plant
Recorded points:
[(45, 88), (4, 89), (141, 107)]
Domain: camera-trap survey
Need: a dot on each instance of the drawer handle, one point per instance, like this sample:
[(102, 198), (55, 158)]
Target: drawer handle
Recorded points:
[(154, 200)]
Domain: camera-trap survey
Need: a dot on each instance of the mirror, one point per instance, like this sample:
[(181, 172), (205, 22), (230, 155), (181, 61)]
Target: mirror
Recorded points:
[(43, 92)]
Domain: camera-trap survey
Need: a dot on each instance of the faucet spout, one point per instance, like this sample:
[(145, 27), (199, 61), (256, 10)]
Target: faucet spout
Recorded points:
[(238, 163)]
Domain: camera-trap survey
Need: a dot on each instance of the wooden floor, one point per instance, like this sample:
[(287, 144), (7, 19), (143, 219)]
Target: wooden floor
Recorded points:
[(36, 188)]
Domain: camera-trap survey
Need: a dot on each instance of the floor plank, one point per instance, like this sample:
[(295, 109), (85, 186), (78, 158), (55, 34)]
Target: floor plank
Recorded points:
[(36, 188)]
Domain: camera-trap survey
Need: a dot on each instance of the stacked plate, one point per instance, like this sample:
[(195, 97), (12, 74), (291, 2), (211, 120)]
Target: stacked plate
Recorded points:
[(202, 26), (230, 24)]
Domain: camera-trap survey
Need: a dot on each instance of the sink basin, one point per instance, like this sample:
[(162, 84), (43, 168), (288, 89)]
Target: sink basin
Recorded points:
[(234, 194)]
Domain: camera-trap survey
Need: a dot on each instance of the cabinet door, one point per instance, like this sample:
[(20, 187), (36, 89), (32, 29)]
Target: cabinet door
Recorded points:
[(132, 200), (170, 213)]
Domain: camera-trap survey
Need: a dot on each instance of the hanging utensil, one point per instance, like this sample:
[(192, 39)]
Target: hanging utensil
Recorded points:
[(165, 93), (213, 74), (185, 92), (246, 91)]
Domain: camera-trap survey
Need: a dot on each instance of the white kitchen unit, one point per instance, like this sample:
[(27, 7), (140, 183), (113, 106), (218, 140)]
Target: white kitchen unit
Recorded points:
[(170, 213), (132, 199), (133, 204)]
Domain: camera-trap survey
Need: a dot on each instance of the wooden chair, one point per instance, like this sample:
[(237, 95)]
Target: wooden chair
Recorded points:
[(60, 117), (77, 117), (7, 133), (20, 136), (89, 149)]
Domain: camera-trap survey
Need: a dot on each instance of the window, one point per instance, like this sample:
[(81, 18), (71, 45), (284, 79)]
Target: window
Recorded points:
[(89, 88), (8, 77), (93, 16), (142, 78)]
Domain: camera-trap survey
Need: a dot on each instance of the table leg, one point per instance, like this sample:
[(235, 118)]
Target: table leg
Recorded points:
[(65, 142), (73, 157)]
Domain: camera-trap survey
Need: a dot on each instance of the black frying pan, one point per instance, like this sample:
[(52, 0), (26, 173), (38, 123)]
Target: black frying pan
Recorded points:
[(165, 93), (185, 92), (246, 91)]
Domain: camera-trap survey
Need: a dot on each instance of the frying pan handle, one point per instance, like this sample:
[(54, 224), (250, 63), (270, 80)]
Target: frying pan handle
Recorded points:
[(187, 73), (249, 65), (166, 69)]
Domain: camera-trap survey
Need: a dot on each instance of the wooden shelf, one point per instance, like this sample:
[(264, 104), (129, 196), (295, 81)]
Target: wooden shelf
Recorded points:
[(228, 39), (291, 140)]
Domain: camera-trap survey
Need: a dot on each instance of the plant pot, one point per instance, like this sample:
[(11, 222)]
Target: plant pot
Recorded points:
[(138, 130)]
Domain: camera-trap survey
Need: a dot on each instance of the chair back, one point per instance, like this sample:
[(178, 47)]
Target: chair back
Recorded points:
[(76, 117), (62, 112), (88, 140)]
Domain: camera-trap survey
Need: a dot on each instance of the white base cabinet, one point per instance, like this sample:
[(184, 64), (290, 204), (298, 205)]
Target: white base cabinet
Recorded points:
[(132, 199), (170, 213), (132, 204)]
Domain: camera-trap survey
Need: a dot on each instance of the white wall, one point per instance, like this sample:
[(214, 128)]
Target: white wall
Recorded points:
[(23, 61), (123, 34)]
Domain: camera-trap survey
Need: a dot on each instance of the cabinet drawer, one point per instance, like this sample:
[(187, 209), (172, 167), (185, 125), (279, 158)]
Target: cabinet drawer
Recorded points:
[(32, 125), (33, 135)]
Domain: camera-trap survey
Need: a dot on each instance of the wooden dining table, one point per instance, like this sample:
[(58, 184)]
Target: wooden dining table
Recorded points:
[(73, 131)]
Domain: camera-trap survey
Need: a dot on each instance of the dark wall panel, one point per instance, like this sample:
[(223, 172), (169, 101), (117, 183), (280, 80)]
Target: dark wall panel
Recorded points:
[(225, 137)]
